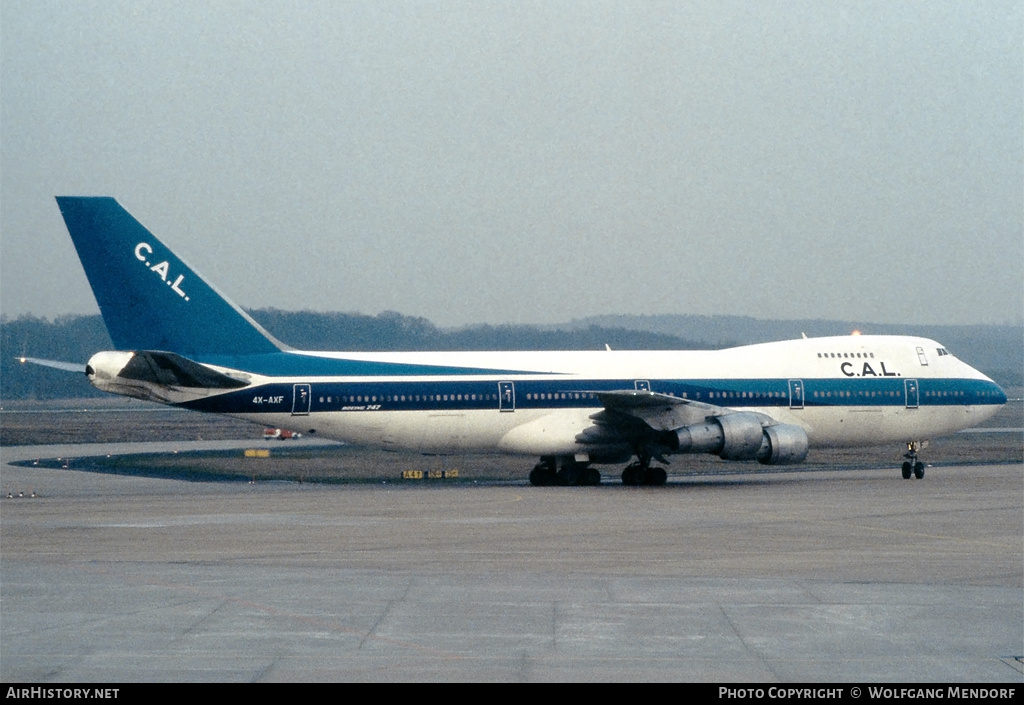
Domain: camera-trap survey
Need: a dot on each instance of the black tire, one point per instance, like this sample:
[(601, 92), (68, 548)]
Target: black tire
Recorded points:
[(631, 476), (907, 470), (919, 470), (656, 477), (541, 477)]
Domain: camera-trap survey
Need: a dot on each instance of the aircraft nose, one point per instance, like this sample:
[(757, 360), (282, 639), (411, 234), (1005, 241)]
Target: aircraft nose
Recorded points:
[(1000, 393)]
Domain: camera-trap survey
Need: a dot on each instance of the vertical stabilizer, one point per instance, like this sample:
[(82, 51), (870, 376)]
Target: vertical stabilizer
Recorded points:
[(150, 299)]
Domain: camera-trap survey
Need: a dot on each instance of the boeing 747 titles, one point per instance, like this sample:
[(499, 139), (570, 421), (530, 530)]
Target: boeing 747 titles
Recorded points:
[(179, 342)]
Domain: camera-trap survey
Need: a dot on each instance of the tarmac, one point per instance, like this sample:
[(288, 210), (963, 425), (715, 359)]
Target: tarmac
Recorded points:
[(847, 576)]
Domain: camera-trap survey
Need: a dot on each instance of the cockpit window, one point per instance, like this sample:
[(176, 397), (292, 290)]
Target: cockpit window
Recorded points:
[(942, 351)]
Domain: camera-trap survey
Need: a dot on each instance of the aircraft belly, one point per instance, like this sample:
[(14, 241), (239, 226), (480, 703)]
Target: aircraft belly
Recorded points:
[(553, 432), (434, 432), (548, 433), (525, 432)]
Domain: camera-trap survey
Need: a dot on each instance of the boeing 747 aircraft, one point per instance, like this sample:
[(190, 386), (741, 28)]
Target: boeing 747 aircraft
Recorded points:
[(182, 343)]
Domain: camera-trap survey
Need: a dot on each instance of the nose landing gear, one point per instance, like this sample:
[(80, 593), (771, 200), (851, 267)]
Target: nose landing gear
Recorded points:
[(913, 466)]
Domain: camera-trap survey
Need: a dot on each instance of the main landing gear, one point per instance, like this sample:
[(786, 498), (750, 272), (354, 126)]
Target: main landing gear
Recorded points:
[(913, 466), (570, 474), (640, 473), (549, 472)]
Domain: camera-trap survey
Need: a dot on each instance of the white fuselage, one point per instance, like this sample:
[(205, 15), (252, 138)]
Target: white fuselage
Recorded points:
[(843, 391)]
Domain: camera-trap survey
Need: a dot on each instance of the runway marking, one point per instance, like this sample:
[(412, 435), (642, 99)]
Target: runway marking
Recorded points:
[(305, 619), (370, 633), (766, 663)]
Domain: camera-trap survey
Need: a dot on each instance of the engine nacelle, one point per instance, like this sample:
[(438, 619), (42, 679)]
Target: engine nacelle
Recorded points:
[(742, 436), (785, 444)]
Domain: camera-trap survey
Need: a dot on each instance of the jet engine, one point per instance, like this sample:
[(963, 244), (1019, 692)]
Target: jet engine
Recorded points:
[(742, 436), (785, 444)]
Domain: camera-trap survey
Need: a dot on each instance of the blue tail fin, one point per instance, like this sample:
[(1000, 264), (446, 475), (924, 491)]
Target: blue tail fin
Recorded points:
[(149, 298)]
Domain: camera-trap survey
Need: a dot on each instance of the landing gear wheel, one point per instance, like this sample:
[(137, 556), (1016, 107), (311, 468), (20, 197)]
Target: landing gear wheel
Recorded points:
[(913, 466), (633, 475), (636, 475), (570, 474), (565, 477), (656, 477), (543, 475)]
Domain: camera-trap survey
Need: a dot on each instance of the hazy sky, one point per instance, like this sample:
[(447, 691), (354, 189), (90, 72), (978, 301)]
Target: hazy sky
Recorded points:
[(487, 162)]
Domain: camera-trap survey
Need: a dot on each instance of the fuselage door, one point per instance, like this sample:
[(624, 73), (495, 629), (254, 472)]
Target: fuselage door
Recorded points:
[(913, 393), (506, 396), (301, 400), (796, 394), (642, 385)]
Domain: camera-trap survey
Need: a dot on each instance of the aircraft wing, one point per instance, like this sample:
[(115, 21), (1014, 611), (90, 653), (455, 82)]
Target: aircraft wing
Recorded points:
[(660, 424), (661, 412), (641, 418)]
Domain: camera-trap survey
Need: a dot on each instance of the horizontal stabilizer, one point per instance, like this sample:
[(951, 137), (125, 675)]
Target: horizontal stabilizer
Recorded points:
[(55, 364), (171, 370)]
